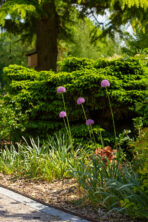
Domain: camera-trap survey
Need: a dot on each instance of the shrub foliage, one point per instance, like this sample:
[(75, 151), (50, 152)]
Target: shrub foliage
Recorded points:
[(32, 95)]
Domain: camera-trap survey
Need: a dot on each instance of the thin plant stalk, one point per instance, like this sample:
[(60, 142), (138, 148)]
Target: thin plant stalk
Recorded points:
[(86, 119), (102, 142), (112, 115), (65, 126), (89, 127), (68, 125)]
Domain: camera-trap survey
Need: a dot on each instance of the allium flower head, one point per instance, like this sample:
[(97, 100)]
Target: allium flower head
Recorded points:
[(62, 114), (89, 122), (105, 83), (61, 89), (80, 100)]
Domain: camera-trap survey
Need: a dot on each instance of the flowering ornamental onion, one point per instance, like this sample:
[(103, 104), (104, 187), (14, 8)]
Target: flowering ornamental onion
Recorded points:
[(61, 89), (80, 100), (62, 114), (89, 122), (105, 83)]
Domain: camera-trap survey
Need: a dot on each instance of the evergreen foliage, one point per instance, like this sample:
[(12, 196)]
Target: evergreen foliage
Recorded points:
[(32, 95), (11, 50), (50, 21), (81, 44), (137, 44)]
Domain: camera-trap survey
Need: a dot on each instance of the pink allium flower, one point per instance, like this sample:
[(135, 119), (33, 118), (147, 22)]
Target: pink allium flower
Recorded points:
[(105, 83), (80, 100), (89, 122), (61, 89), (62, 114)]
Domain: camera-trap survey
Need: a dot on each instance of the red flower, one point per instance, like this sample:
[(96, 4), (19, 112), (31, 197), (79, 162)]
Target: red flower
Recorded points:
[(106, 153)]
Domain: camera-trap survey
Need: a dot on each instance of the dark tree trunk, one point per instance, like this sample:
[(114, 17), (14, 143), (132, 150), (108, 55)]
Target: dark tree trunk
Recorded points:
[(47, 33)]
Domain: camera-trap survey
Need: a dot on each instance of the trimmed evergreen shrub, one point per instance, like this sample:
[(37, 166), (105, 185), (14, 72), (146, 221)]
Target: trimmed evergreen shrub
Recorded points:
[(72, 64), (32, 94)]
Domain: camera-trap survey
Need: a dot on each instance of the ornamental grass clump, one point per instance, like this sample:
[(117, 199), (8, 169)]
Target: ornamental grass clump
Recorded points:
[(63, 114), (105, 84)]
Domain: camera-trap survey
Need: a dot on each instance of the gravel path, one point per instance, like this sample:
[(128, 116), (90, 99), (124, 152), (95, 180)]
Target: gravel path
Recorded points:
[(17, 208)]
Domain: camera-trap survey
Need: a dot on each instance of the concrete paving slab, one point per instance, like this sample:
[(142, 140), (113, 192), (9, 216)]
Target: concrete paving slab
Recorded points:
[(18, 208), (14, 211)]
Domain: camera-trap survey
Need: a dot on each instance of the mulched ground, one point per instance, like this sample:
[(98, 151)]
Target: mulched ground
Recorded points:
[(60, 194)]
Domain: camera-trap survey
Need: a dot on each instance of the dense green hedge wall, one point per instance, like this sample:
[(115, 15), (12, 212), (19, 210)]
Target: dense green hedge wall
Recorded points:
[(31, 96), (121, 65), (72, 64)]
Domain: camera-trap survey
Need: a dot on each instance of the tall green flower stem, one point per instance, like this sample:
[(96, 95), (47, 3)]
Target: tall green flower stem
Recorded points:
[(68, 125), (107, 93), (89, 127), (102, 142)]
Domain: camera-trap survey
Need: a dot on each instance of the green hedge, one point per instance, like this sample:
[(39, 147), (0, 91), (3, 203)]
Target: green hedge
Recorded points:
[(121, 65), (72, 64), (32, 94)]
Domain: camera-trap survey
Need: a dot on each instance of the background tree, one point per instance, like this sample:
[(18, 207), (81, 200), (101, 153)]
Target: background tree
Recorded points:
[(49, 19), (81, 45), (12, 51), (136, 44)]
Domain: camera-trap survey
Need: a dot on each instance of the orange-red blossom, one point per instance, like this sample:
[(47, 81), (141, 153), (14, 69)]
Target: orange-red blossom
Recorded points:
[(106, 153)]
